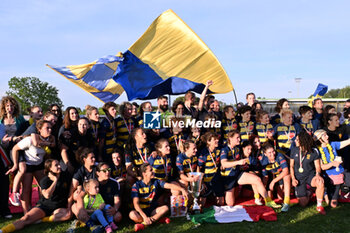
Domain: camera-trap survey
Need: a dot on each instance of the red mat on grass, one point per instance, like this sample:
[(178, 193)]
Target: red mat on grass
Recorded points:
[(35, 198), (245, 199)]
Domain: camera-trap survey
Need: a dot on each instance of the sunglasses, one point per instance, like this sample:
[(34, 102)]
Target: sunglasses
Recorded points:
[(106, 170)]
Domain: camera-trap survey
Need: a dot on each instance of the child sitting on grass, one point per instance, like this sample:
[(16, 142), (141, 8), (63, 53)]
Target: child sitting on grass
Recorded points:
[(95, 205)]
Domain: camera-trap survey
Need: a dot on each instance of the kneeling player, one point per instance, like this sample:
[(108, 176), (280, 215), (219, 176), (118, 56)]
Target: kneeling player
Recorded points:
[(305, 169), (278, 169), (144, 193)]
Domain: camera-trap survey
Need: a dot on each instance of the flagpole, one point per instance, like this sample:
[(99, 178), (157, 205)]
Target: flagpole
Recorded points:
[(234, 94), (169, 102)]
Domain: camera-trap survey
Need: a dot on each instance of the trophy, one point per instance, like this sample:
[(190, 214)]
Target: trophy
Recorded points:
[(195, 189)]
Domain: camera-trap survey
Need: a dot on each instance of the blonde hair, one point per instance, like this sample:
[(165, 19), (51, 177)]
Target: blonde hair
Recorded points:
[(286, 112), (89, 110), (87, 184)]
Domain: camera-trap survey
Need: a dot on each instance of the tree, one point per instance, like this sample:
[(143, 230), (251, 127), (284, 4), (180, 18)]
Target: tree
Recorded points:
[(337, 93), (333, 93), (182, 98), (29, 91)]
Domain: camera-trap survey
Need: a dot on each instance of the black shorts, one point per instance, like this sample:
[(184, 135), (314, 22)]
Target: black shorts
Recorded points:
[(21, 156), (231, 181), (215, 186), (48, 210), (148, 211), (34, 168), (301, 189)]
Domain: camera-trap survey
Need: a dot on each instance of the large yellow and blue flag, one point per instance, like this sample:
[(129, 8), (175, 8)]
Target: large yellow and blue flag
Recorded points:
[(169, 58), (95, 77), (320, 91)]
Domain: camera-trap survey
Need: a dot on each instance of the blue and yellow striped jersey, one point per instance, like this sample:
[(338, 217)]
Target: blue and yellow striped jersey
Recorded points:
[(139, 121), (186, 164), (346, 122), (276, 119), (252, 165), (226, 127), (209, 163), (147, 193), (196, 140), (161, 167), (285, 135), (108, 133), (95, 131), (230, 155), (137, 156), (246, 129), (118, 172), (262, 130), (174, 143), (123, 129), (215, 130), (310, 127), (277, 166)]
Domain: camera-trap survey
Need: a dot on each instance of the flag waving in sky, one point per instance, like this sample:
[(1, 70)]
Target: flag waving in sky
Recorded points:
[(169, 58), (95, 77), (320, 91)]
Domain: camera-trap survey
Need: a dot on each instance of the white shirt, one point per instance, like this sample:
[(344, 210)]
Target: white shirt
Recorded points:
[(33, 155)]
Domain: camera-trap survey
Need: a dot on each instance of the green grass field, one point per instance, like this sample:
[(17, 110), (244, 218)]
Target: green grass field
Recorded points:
[(297, 220)]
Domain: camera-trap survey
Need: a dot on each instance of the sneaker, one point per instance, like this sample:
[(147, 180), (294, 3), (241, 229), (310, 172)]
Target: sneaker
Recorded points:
[(113, 226), (258, 202), (346, 196), (15, 199), (321, 210), (139, 227), (273, 204), (285, 207), (108, 229), (164, 220)]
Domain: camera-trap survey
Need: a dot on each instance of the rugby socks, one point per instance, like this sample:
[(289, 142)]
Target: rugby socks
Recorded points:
[(9, 228), (286, 200), (319, 202), (47, 219), (267, 199), (256, 195)]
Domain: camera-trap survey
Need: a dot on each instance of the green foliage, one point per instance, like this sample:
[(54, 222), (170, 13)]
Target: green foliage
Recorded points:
[(29, 91), (298, 219), (180, 98), (338, 93), (333, 93), (100, 111)]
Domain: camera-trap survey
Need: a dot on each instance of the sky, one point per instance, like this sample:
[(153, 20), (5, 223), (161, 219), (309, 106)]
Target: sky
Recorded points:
[(262, 45)]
